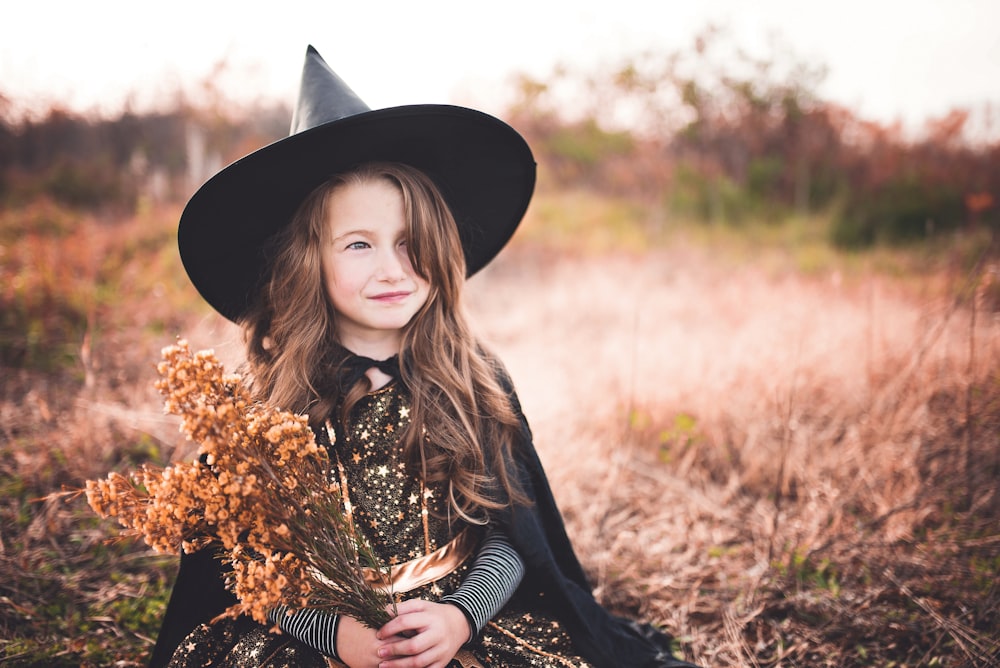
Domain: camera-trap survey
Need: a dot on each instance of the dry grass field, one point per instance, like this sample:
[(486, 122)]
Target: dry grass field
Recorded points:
[(780, 467), (783, 470)]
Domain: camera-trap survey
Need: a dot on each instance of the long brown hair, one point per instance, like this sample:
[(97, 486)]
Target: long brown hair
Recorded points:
[(462, 427)]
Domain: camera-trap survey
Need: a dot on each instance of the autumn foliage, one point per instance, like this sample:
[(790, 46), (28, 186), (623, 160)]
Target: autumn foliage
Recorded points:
[(710, 133), (721, 136)]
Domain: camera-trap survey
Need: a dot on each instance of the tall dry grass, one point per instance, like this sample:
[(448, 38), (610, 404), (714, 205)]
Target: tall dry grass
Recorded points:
[(781, 469)]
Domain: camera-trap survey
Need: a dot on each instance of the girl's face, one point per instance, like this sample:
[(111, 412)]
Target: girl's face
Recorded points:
[(366, 270)]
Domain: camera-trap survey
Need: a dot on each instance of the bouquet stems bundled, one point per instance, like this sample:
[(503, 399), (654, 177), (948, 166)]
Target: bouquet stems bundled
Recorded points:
[(261, 492)]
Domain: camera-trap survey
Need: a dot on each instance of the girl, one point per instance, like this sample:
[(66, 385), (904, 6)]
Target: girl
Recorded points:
[(348, 288)]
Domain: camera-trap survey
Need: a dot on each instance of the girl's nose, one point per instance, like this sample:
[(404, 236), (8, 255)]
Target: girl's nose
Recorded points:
[(391, 266)]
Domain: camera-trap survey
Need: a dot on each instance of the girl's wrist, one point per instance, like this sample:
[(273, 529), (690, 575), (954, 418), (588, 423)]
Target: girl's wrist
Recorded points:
[(468, 620), (333, 639)]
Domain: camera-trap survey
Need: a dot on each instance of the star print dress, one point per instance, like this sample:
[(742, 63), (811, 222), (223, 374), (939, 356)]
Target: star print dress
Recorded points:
[(402, 520), (389, 508)]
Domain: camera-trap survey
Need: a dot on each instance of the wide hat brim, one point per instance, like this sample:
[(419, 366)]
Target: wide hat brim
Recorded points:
[(483, 167)]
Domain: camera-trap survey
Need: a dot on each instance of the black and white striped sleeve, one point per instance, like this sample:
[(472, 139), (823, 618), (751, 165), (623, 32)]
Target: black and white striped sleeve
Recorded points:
[(316, 628), (492, 579)]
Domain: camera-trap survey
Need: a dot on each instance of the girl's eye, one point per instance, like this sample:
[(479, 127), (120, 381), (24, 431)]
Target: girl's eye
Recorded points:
[(357, 245)]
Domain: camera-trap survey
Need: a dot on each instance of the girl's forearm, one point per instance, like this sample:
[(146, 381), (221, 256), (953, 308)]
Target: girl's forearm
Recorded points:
[(493, 578)]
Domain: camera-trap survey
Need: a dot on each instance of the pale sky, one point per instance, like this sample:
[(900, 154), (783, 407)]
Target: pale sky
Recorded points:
[(886, 59)]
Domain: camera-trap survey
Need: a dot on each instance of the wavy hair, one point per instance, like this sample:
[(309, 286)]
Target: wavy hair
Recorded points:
[(463, 427)]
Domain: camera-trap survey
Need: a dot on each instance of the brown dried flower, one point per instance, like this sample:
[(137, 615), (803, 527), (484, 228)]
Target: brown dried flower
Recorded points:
[(261, 492)]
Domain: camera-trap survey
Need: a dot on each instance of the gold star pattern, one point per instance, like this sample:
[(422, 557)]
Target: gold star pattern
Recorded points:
[(381, 484)]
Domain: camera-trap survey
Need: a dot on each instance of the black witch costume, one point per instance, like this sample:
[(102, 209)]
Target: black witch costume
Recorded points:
[(486, 173)]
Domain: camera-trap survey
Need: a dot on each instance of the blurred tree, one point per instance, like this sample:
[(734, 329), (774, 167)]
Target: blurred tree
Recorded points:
[(902, 191), (718, 133), (96, 163)]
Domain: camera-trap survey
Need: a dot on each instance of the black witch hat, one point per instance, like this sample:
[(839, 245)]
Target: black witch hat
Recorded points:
[(482, 166)]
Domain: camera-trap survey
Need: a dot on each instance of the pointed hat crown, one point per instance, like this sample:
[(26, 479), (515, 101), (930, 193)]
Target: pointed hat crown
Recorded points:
[(323, 96)]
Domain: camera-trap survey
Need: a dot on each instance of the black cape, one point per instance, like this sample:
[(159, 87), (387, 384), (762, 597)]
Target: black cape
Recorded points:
[(553, 572)]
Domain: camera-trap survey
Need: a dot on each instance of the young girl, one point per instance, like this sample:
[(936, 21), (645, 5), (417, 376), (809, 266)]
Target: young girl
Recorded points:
[(342, 251)]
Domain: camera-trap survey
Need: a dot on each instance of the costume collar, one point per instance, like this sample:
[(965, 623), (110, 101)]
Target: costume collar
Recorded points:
[(353, 367)]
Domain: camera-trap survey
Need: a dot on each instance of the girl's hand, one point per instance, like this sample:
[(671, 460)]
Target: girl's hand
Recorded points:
[(423, 634), (357, 645)]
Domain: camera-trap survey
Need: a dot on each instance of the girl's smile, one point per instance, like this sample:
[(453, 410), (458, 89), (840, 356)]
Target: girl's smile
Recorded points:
[(366, 267), (392, 296)]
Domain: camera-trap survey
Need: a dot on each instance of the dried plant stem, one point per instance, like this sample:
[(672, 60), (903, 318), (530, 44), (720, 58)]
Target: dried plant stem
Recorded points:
[(779, 482), (967, 639), (970, 380)]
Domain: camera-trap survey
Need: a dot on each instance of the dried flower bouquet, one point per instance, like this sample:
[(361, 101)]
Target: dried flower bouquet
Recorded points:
[(261, 492)]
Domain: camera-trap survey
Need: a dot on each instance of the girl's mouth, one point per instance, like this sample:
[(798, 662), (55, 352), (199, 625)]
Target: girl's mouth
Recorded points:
[(390, 297)]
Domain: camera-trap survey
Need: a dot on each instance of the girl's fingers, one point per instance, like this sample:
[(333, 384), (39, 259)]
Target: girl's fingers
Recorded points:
[(423, 634), (404, 620), (422, 660)]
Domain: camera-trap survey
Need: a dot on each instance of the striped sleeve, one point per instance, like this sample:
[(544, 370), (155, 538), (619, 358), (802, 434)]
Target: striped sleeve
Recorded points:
[(495, 574), (316, 628)]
